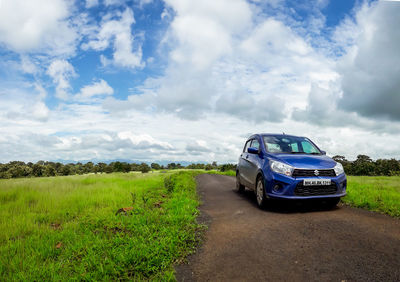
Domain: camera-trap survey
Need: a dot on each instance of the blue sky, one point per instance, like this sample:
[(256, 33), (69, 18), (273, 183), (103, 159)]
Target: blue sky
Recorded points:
[(190, 80)]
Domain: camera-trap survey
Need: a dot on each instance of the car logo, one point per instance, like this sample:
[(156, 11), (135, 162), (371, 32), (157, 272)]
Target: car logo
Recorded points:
[(316, 172)]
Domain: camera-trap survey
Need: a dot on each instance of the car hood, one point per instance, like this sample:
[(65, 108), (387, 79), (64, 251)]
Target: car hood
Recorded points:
[(307, 161)]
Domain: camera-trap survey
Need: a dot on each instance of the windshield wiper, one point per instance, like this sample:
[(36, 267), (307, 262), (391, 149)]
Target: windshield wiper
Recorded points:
[(315, 153), (296, 152)]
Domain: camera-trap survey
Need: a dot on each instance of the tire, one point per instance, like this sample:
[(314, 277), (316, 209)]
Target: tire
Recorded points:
[(239, 186), (260, 193), (332, 203)]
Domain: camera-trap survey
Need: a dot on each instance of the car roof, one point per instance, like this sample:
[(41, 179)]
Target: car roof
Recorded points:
[(271, 134)]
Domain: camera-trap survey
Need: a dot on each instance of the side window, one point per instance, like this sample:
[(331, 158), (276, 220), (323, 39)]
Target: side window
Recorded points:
[(246, 146), (255, 144), (294, 147)]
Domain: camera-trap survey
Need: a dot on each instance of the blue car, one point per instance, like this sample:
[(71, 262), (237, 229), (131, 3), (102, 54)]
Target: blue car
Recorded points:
[(279, 166)]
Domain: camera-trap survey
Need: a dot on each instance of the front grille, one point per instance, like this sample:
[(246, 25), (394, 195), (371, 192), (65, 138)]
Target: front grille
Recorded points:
[(311, 172), (316, 190)]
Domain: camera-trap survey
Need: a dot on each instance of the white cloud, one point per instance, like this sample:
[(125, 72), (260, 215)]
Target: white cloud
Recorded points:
[(113, 2), (143, 140), (23, 106), (28, 66), (98, 88), (145, 2), (119, 31), (91, 3), (37, 26), (231, 69), (257, 71), (370, 70), (40, 111), (61, 71), (201, 23)]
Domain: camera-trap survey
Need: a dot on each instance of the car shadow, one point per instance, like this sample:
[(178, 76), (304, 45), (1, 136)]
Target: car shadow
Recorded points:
[(288, 206)]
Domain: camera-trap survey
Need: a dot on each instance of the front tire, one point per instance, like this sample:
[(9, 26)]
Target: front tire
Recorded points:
[(239, 186), (332, 203), (260, 193)]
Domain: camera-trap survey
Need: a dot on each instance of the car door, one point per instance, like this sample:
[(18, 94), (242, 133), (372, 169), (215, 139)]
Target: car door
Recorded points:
[(253, 160), (244, 164)]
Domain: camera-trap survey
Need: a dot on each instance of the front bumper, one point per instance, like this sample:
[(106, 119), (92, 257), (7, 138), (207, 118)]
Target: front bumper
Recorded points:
[(284, 187)]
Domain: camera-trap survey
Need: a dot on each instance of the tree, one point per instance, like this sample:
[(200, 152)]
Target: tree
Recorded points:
[(37, 170), (171, 166), (100, 167), (144, 168), (155, 166), (88, 167), (209, 167), (135, 167), (340, 159), (363, 165), (226, 167), (49, 171), (66, 169)]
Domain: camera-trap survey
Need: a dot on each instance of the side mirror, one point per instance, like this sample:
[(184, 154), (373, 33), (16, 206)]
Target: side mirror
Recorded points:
[(252, 150), (323, 152)]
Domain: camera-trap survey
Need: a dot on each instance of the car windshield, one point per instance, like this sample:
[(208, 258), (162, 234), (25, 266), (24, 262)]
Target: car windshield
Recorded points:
[(289, 145)]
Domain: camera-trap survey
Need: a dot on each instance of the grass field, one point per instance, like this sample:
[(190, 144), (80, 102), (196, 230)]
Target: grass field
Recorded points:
[(376, 193), (61, 228)]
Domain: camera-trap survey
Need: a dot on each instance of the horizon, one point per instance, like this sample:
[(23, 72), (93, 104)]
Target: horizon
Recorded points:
[(178, 81)]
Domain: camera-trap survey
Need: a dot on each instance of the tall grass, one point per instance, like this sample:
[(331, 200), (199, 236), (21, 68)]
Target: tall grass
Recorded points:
[(376, 193), (61, 228)]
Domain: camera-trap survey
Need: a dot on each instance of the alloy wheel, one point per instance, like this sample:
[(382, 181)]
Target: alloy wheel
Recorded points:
[(260, 192)]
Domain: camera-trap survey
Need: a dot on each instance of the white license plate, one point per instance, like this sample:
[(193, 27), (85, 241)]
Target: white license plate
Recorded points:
[(316, 182)]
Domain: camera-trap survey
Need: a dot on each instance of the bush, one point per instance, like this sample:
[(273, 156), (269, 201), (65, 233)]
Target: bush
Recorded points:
[(169, 183), (144, 168)]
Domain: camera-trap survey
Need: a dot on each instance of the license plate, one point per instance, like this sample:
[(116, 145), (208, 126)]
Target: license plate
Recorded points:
[(316, 182)]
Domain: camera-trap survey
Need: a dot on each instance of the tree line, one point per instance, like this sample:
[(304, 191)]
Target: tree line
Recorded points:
[(363, 165), (17, 169)]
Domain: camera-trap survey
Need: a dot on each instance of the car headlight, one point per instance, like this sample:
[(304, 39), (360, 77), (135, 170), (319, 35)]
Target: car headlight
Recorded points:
[(338, 169), (281, 168)]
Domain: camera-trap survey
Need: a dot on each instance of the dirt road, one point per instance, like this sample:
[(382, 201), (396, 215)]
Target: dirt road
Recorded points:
[(289, 242)]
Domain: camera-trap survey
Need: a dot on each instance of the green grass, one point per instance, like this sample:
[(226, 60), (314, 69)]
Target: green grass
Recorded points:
[(376, 193), (66, 228), (228, 172)]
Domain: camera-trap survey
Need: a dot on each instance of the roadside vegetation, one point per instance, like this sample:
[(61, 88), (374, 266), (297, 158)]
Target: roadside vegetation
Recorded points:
[(18, 169), (364, 165), (377, 193), (97, 227)]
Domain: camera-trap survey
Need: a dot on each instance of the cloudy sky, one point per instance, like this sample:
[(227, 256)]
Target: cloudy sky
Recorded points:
[(186, 80)]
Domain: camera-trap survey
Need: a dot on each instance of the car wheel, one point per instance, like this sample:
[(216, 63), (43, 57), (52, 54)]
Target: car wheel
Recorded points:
[(260, 193), (332, 203), (239, 186)]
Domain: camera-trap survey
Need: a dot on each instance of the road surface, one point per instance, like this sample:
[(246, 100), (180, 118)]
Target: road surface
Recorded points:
[(289, 241)]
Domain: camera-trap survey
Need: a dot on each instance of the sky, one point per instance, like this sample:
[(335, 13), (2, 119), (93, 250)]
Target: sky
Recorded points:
[(185, 80)]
